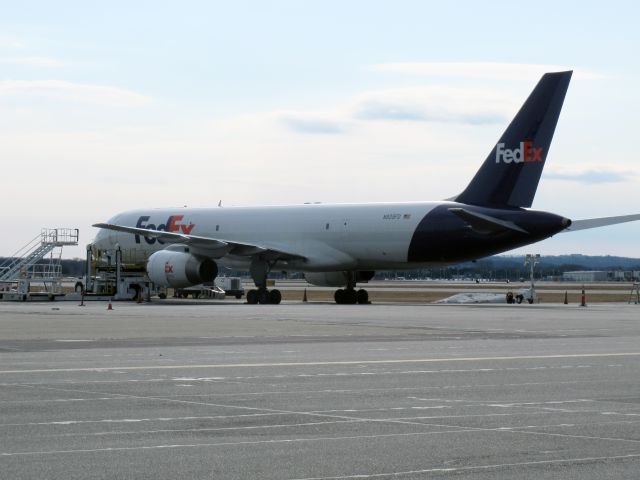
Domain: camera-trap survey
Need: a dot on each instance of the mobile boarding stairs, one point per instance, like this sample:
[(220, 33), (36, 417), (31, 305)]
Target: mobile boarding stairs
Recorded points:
[(35, 270)]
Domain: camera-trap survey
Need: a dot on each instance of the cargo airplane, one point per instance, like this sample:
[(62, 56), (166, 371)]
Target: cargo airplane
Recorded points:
[(344, 244)]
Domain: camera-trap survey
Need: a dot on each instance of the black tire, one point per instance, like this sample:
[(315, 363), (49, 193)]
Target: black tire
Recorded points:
[(252, 297), (519, 299), (263, 296), (275, 297), (530, 300), (238, 296), (362, 296), (162, 296), (338, 296), (78, 287), (350, 297)]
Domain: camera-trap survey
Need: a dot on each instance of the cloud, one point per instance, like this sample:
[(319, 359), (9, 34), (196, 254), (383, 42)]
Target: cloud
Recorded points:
[(31, 61), (480, 70), (470, 106), (592, 176), (308, 123), (10, 42), (435, 104), (69, 91), (443, 104)]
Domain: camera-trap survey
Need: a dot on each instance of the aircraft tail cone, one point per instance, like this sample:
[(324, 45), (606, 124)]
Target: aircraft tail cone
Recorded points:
[(304, 297)]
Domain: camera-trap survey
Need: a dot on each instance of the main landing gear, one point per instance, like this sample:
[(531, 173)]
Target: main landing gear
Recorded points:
[(351, 296), (259, 270), (264, 296)]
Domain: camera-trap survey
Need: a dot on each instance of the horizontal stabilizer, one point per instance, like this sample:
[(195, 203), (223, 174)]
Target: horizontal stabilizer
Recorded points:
[(600, 222), (484, 223)]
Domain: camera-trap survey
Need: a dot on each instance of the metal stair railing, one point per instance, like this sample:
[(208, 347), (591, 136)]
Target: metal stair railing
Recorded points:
[(18, 256), (23, 264), (35, 250)]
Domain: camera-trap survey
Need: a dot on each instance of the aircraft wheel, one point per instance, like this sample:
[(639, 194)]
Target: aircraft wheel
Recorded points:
[(263, 296), (350, 296), (362, 296), (275, 297), (339, 296), (252, 297)]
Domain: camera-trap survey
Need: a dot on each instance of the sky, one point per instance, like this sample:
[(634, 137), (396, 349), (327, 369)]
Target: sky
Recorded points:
[(109, 106)]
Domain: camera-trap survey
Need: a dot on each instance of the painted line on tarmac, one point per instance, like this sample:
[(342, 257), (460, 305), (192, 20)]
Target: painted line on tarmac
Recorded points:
[(443, 470), (320, 364)]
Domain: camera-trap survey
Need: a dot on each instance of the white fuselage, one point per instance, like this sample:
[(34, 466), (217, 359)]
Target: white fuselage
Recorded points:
[(330, 237)]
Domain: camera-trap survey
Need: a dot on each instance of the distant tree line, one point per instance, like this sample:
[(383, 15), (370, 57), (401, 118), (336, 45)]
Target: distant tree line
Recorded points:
[(73, 267), (498, 268), (512, 268)]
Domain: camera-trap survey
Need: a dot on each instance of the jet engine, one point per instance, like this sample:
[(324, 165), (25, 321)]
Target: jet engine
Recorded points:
[(336, 279), (180, 269)]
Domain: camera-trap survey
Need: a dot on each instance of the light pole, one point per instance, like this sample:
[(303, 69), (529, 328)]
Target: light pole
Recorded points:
[(532, 260)]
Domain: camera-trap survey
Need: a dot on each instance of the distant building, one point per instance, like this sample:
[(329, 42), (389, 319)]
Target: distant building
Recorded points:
[(585, 276), (601, 276)]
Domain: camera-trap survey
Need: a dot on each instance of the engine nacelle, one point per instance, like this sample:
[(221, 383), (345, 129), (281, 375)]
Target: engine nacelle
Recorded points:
[(336, 279), (180, 269)]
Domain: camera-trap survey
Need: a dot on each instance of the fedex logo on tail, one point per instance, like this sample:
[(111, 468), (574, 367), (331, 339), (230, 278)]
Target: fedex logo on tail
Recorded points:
[(173, 224), (525, 154)]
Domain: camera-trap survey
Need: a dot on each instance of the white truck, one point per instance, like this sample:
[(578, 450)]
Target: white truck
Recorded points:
[(200, 291), (231, 286)]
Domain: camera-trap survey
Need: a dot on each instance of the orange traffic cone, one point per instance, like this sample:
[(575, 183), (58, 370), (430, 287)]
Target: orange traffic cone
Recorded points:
[(110, 307)]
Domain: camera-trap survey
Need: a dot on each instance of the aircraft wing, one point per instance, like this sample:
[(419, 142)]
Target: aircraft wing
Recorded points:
[(600, 222), (217, 247), (484, 223)]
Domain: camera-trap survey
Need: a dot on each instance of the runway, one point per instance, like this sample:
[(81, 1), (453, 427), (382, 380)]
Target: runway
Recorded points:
[(318, 391)]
